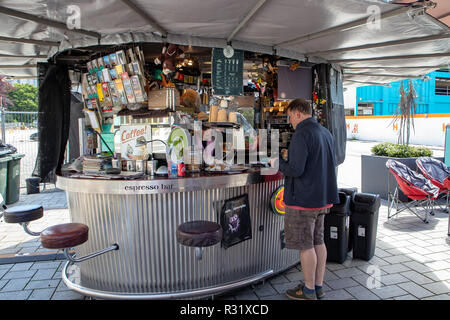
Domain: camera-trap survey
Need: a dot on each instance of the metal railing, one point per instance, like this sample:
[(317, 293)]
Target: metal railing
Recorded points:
[(19, 128)]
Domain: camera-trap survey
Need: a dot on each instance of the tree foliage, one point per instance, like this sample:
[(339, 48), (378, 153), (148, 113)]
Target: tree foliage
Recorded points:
[(24, 98), (5, 89)]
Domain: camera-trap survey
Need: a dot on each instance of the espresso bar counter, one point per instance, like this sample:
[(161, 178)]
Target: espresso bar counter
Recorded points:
[(142, 216)]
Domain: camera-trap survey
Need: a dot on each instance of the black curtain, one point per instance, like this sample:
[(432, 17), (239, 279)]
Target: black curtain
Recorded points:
[(53, 120), (76, 112), (330, 88)]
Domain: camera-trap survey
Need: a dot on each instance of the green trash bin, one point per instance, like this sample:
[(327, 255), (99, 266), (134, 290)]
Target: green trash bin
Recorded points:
[(4, 175), (13, 184)]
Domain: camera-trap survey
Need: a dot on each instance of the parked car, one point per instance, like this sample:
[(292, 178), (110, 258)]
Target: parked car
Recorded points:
[(34, 137)]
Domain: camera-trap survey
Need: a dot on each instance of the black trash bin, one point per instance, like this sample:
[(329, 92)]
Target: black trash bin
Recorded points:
[(33, 185), (336, 230), (365, 222), (350, 192)]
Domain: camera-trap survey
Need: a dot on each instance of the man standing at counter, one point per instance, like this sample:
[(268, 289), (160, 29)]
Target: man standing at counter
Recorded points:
[(310, 192)]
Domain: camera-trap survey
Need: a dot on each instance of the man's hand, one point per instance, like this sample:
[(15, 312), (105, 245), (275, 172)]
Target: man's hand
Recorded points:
[(284, 153), (272, 162)]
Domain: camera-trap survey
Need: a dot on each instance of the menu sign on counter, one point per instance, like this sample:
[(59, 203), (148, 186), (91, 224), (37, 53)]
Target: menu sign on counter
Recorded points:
[(129, 137), (227, 73)]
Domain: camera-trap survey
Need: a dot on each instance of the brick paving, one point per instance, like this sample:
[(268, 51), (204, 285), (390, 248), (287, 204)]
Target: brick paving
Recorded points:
[(411, 258)]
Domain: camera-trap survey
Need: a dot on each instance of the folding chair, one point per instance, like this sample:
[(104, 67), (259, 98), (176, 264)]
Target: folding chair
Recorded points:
[(437, 172), (415, 186)]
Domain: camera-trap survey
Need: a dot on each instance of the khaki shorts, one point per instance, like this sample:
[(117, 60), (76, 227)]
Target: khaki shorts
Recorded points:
[(304, 228)]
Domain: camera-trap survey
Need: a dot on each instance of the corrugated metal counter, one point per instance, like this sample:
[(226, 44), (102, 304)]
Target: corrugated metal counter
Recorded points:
[(141, 216)]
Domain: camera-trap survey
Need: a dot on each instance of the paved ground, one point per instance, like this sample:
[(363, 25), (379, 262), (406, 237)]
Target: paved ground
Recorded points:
[(412, 259)]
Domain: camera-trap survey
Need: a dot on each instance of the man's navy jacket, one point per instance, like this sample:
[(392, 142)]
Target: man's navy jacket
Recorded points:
[(310, 177)]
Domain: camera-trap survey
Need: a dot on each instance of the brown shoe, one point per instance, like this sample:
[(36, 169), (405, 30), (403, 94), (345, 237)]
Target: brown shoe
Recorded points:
[(298, 294), (319, 293)]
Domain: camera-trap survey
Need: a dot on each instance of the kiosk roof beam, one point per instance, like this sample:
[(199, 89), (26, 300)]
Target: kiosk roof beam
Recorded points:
[(405, 57), (18, 66), (366, 82), (30, 41), (146, 17), (399, 67), (47, 22), (382, 75), (23, 56), (383, 44), (246, 19), (356, 23)]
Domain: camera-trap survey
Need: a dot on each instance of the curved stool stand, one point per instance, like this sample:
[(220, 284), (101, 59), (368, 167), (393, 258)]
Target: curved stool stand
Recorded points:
[(68, 235), (199, 234), (24, 215)]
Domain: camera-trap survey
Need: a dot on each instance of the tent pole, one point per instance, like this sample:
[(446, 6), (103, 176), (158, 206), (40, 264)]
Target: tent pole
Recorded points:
[(40, 56), (405, 57), (399, 67), (244, 21), (31, 41), (47, 22), (356, 23), (374, 83), (382, 75), (383, 44), (18, 66), (146, 17)]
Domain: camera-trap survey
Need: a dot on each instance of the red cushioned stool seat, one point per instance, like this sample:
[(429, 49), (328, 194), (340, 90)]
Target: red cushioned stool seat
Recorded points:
[(65, 235)]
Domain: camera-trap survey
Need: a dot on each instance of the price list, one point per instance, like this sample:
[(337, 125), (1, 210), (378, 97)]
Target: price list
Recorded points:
[(227, 73)]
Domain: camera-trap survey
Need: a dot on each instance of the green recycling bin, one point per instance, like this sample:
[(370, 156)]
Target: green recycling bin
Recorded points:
[(13, 184), (4, 175)]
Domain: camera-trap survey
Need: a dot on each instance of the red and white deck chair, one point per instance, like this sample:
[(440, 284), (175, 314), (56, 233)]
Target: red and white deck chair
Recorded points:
[(437, 172), (415, 186)]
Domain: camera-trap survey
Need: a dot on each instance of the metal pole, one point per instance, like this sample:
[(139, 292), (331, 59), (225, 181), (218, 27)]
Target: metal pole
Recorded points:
[(2, 110), (152, 22), (246, 19), (342, 27), (46, 22)]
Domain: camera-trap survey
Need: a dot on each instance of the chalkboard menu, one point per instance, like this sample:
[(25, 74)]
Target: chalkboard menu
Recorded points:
[(227, 73)]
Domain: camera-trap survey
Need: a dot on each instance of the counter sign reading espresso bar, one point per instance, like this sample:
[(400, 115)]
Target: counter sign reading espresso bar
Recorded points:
[(227, 73)]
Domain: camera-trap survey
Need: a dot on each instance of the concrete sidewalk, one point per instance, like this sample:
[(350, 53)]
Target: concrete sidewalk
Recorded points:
[(412, 258)]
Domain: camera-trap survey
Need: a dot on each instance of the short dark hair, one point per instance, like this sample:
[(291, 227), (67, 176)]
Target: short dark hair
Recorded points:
[(300, 105)]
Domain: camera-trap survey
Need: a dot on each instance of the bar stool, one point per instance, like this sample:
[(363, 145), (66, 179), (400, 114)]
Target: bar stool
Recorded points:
[(23, 215), (61, 236), (199, 234)]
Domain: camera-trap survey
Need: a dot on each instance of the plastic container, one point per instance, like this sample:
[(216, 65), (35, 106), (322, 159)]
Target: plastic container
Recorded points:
[(350, 192), (4, 175), (365, 224), (336, 230), (13, 185)]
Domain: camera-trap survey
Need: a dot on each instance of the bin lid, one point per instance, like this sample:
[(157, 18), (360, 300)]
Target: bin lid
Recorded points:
[(5, 159), (16, 156), (6, 149)]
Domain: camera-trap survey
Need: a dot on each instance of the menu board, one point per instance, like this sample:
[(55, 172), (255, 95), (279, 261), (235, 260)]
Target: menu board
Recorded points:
[(227, 73)]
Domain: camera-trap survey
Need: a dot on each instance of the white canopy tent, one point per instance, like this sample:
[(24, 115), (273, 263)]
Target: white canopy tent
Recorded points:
[(372, 41)]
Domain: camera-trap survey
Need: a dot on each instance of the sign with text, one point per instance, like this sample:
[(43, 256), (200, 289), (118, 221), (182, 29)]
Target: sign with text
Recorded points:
[(235, 221), (129, 137), (227, 73)]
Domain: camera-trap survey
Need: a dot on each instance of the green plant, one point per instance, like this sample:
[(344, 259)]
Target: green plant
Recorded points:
[(388, 149)]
